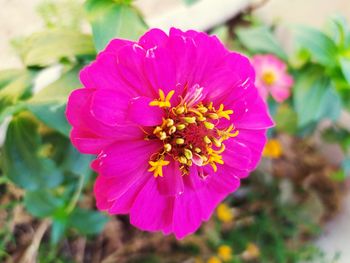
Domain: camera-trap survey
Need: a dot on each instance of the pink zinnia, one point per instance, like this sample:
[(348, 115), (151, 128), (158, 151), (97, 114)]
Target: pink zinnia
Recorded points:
[(272, 77), (176, 122)]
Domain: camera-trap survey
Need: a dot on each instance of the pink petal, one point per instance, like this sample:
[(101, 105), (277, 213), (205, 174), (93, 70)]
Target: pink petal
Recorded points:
[(187, 216), (195, 48), (171, 183), (152, 211), (115, 45), (153, 38), (250, 112), (255, 140), (123, 157), (103, 74), (88, 143), (237, 155), (232, 80), (280, 93), (184, 51), (77, 101), (78, 113), (241, 65), (143, 114), (105, 194), (218, 186), (160, 69), (109, 107), (123, 204)]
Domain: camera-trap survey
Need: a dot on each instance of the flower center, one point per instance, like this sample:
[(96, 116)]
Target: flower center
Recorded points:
[(189, 133), (269, 77)]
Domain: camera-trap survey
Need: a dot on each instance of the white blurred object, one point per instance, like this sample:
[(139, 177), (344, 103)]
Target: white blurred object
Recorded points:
[(3, 129), (46, 77), (335, 238), (202, 15)]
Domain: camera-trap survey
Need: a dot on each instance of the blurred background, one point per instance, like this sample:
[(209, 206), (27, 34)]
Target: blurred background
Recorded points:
[(302, 179)]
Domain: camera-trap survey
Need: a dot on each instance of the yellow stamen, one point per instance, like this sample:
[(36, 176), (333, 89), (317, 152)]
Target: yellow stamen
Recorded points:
[(213, 116), (183, 159), (180, 141), (157, 167), (214, 158), (207, 140), (163, 101), (188, 154), (167, 147), (172, 130), (204, 158), (169, 122), (209, 125), (198, 113), (189, 119), (226, 134), (202, 109), (180, 127), (162, 136), (202, 118), (217, 142), (180, 110), (157, 130), (225, 114), (222, 149), (197, 150), (214, 166)]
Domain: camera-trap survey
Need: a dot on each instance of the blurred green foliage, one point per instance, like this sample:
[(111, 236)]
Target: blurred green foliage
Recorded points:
[(320, 66), (37, 155)]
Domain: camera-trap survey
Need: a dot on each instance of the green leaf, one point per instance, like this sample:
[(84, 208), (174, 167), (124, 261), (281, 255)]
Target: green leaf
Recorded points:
[(339, 29), (345, 68), (346, 166), (314, 98), (77, 163), (48, 47), (113, 19), (42, 203), (286, 119), (330, 105), (335, 134), (260, 40), (21, 161), (49, 104), (58, 229), (52, 114), (8, 75), (87, 221), (61, 14), (338, 176), (10, 94), (322, 48), (190, 2)]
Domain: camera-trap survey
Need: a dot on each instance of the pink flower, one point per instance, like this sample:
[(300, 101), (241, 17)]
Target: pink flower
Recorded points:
[(272, 77), (176, 122)]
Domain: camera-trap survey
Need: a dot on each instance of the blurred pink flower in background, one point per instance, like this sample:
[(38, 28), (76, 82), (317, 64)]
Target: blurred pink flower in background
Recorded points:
[(272, 77), (176, 122)]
